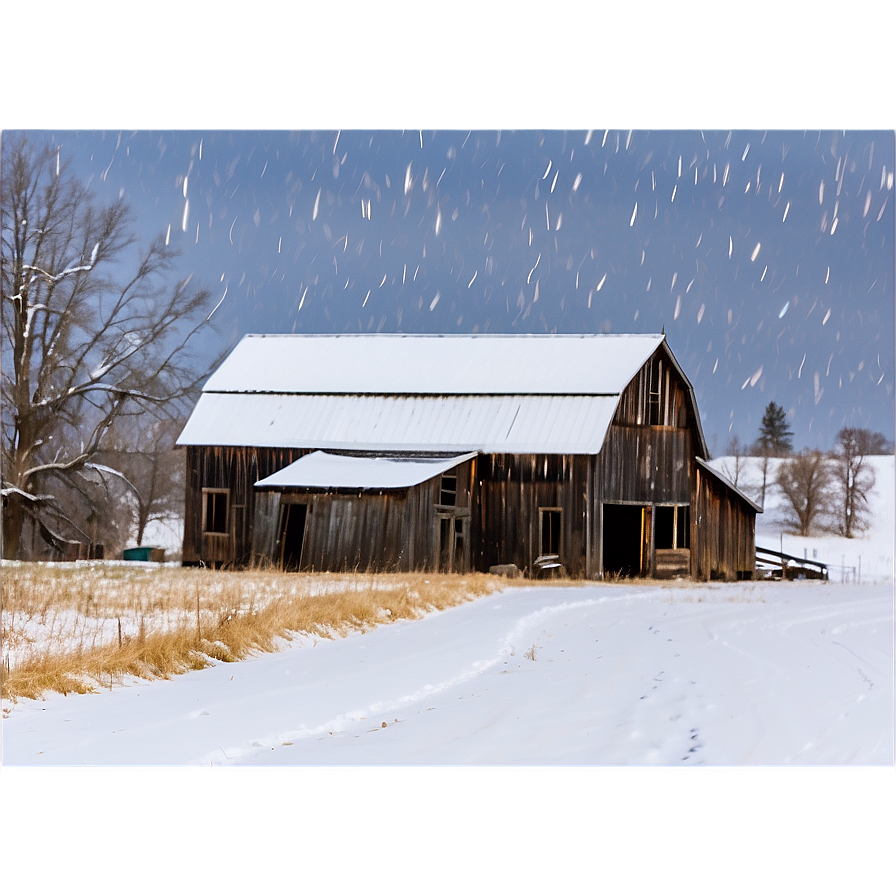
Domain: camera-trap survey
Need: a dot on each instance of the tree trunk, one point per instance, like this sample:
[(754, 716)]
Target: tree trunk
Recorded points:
[(13, 523)]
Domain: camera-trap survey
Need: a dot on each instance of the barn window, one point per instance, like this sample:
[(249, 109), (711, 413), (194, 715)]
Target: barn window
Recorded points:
[(215, 503), (654, 396), (448, 493), (549, 522)]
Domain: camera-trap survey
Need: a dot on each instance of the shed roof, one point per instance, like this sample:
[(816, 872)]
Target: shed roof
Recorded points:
[(704, 465), (396, 364), (321, 470)]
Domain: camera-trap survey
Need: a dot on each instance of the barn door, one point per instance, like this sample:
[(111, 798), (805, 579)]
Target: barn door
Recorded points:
[(292, 535), (453, 540), (627, 539), (264, 527)]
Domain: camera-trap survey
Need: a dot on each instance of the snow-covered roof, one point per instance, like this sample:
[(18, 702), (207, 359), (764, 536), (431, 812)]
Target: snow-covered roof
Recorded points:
[(514, 424), (323, 470), (520, 394), (395, 364)]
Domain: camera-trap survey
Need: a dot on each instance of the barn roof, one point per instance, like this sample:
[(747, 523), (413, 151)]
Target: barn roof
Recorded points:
[(321, 470), (704, 465), (516, 394), (395, 364), (515, 424)]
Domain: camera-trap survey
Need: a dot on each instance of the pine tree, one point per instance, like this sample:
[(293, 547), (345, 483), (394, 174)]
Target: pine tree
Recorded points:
[(775, 437)]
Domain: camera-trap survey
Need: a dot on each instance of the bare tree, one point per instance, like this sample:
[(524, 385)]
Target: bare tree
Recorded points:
[(84, 344), (150, 470), (805, 482), (735, 468), (854, 477)]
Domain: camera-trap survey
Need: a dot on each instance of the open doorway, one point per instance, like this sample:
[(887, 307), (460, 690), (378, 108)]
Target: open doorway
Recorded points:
[(453, 542), (292, 535), (626, 539)]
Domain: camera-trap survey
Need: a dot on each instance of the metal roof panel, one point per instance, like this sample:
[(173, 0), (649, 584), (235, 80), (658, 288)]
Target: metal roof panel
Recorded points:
[(321, 470), (491, 423)]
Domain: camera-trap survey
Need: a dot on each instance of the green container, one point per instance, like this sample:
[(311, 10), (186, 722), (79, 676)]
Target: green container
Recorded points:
[(141, 554)]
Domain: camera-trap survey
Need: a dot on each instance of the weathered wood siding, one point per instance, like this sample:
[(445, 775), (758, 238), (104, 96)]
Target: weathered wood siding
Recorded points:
[(403, 537), (647, 464), (647, 459), (237, 470), (367, 532), (657, 396), (512, 491), (264, 530), (723, 532)]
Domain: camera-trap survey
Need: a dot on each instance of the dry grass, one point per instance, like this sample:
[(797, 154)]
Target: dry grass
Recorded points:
[(77, 628)]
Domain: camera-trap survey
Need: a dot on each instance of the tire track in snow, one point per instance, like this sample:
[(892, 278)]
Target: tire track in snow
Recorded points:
[(345, 722)]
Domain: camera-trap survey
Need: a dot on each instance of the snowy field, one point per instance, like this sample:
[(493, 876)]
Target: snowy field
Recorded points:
[(764, 673), (741, 674), (866, 558)]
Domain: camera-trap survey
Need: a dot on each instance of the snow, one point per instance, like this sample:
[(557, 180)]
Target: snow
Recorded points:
[(652, 675), (868, 558), (763, 673), (433, 365), (322, 470)]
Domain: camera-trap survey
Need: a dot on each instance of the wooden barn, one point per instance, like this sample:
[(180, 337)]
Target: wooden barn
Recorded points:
[(582, 454)]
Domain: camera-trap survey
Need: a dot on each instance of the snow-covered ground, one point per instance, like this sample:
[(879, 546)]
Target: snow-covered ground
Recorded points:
[(740, 674), (866, 558), (645, 674)]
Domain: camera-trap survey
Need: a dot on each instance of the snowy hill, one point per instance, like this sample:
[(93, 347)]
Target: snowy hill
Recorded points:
[(867, 558)]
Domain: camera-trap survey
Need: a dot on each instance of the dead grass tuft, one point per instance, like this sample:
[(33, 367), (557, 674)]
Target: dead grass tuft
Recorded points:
[(78, 628)]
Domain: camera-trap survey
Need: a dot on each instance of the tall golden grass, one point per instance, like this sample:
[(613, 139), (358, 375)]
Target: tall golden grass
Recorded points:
[(78, 628)]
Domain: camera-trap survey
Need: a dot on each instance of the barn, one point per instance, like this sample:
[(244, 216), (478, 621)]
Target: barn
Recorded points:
[(551, 453)]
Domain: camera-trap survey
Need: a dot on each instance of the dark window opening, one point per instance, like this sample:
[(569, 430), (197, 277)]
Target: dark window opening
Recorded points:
[(445, 544), (458, 545), (653, 404), (448, 493), (672, 527), (215, 511), (292, 535), (550, 531), (654, 394), (664, 528), (683, 527)]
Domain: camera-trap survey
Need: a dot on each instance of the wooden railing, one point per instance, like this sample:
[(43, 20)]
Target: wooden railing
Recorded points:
[(790, 567)]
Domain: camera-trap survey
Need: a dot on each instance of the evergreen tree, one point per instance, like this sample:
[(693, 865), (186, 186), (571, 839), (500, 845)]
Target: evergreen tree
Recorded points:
[(775, 437)]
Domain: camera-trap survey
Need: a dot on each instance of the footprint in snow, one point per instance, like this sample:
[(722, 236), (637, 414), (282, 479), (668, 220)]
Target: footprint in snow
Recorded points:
[(695, 746)]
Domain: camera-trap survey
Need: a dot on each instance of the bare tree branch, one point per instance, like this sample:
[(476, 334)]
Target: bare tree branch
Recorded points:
[(81, 347)]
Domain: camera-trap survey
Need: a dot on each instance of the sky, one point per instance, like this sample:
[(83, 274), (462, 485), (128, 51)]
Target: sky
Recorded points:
[(767, 257)]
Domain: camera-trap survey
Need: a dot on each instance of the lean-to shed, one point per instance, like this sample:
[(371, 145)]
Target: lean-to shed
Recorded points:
[(459, 453)]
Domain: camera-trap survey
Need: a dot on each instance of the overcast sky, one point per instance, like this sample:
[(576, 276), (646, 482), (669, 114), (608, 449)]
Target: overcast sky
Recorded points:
[(768, 257), (768, 289)]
